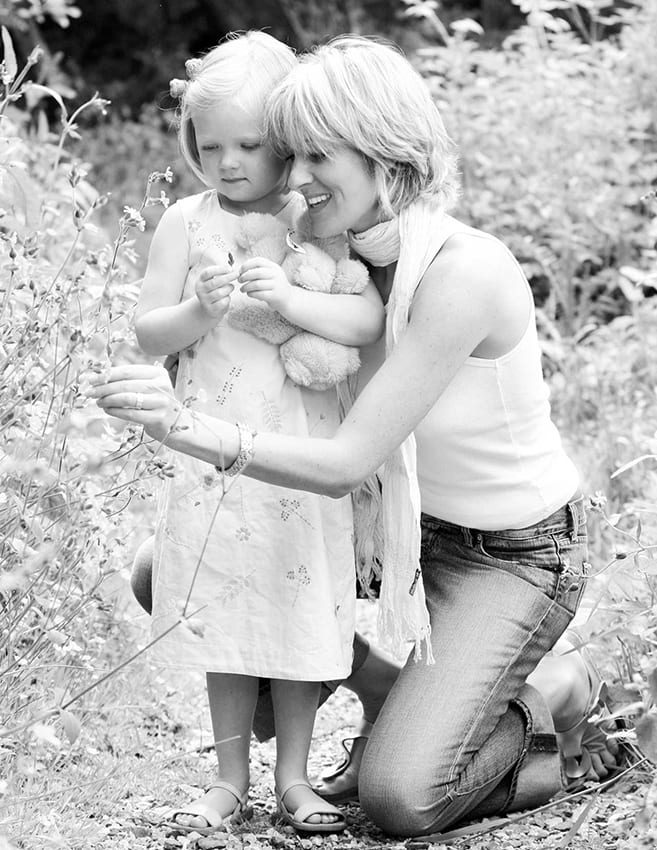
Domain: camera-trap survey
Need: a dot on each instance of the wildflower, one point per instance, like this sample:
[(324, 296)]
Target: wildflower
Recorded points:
[(101, 104), (35, 56), (133, 218), (76, 174), (163, 200), (61, 11), (156, 176)]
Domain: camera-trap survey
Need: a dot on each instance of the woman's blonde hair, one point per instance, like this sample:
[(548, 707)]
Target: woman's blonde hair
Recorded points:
[(364, 94), (244, 69)]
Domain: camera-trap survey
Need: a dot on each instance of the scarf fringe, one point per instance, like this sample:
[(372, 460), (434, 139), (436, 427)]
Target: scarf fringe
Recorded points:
[(395, 633)]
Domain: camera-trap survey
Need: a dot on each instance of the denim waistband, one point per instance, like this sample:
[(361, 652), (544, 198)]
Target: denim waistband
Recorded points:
[(570, 517)]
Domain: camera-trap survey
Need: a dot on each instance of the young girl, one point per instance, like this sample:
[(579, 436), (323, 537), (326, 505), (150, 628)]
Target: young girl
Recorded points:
[(268, 573)]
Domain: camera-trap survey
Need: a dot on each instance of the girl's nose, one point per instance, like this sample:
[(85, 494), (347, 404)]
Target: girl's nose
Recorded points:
[(228, 160), (299, 173)]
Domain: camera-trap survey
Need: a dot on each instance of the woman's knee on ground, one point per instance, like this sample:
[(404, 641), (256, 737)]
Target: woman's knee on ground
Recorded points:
[(402, 802)]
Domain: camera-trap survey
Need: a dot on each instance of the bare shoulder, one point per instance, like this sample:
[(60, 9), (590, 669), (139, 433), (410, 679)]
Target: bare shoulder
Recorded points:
[(477, 277), (171, 219), (477, 257)]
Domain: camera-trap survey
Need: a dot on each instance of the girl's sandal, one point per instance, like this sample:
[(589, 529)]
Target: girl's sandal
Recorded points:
[(299, 817), (341, 786), (215, 822)]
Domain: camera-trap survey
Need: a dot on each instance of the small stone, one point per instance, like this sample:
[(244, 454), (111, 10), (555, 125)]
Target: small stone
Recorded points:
[(212, 842)]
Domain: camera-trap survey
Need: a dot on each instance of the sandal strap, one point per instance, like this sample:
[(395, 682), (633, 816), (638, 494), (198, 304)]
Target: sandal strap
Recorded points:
[(305, 810), (241, 797), (321, 807), (283, 791), (357, 743)]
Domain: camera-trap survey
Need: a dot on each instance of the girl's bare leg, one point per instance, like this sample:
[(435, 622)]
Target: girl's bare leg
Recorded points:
[(295, 705), (232, 704)]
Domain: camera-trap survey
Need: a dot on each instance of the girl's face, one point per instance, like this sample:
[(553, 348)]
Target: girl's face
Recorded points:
[(236, 161), (339, 190)]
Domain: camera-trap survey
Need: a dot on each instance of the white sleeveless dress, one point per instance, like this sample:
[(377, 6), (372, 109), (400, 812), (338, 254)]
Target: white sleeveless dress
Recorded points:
[(272, 569)]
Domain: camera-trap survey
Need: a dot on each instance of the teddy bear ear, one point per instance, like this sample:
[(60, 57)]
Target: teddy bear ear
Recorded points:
[(351, 277), (262, 235), (315, 270)]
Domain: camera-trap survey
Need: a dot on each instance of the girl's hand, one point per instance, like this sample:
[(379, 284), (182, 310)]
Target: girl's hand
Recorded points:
[(139, 394), (213, 289), (266, 281)]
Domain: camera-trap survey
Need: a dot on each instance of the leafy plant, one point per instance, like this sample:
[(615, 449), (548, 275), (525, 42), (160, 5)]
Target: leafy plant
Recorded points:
[(66, 473)]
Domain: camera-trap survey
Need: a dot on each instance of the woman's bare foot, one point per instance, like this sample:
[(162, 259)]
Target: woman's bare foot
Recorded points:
[(340, 785)]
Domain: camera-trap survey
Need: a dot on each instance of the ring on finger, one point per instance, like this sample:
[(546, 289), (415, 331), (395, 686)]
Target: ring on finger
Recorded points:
[(139, 401)]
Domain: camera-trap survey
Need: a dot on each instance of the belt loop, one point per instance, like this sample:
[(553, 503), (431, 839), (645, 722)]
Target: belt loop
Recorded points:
[(467, 535)]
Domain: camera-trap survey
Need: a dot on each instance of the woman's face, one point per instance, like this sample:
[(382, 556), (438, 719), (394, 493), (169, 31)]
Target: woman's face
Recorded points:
[(339, 190)]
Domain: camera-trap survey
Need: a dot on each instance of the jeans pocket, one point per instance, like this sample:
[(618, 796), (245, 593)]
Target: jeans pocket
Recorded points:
[(552, 562), (534, 560)]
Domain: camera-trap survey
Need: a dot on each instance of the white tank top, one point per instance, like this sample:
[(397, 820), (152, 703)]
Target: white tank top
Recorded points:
[(488, 454)]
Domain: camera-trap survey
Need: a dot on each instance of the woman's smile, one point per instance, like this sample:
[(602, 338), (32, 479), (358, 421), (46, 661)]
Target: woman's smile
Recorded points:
[(340, 191)]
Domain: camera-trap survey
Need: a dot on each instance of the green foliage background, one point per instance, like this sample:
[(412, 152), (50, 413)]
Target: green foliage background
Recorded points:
[(557, 127)]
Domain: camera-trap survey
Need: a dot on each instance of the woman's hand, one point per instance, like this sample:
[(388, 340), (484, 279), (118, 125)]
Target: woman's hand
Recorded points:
[(139, 394)]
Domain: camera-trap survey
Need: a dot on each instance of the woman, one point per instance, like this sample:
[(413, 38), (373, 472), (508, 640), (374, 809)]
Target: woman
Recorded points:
[(485, 543)]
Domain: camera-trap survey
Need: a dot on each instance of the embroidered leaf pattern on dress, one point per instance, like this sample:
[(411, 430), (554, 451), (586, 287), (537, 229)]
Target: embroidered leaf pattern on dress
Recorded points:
[(232, 589), (292, 507), (300, 578), (271, 415), (218, 241)]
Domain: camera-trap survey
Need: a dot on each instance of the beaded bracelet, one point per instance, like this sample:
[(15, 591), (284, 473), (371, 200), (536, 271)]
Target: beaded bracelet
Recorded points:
[(245, 454)]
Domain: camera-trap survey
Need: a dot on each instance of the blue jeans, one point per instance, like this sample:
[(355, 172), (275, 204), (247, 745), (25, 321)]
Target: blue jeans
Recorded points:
[(467, 737)]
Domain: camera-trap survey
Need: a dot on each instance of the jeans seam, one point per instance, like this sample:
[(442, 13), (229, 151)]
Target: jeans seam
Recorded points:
[(452, 778)]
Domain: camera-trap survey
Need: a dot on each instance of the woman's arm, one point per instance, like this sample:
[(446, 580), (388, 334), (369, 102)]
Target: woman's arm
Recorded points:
[(467, 299), (163, 323)]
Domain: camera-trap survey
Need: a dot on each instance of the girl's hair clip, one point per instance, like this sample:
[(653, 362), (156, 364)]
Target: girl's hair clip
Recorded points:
[(193, 66), (177, 88)]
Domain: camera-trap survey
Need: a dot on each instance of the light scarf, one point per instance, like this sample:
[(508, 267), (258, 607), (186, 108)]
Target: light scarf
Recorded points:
[(413, 240)]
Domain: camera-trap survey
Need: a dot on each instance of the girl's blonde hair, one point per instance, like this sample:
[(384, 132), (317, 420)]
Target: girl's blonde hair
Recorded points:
[(244, 69), (365, 94)]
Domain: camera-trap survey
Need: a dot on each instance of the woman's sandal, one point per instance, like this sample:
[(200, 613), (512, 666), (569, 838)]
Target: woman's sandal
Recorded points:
[(588, 752), (216, 823), (299, 817), (341, 786)]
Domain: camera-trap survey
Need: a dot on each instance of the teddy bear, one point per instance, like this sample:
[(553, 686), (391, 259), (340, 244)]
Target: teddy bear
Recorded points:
[(320, 266)]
